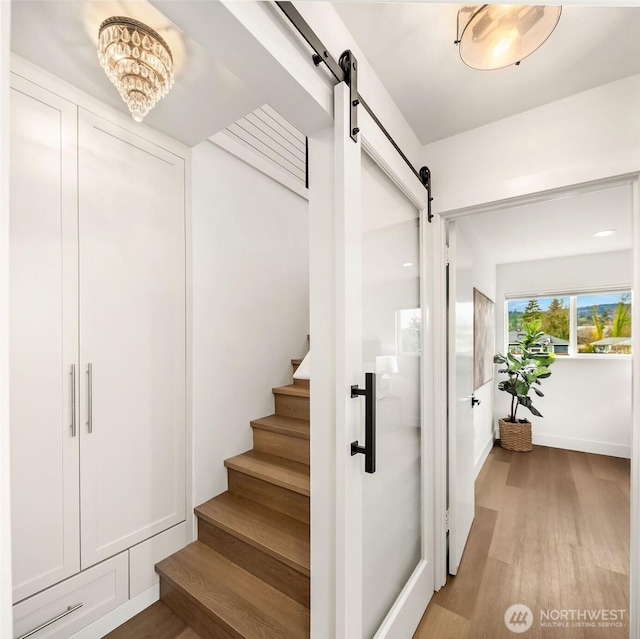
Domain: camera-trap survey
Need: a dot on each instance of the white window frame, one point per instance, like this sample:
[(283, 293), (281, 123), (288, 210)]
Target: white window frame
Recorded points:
[(573, 295)]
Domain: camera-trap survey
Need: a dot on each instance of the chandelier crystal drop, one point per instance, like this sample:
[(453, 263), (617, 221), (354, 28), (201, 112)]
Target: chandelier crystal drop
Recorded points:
[(138, 62)]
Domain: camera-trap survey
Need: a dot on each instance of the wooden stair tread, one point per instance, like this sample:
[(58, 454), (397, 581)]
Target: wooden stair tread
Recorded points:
[(278, 535), (276, 470), (157, 621), (243, 605), (284, 425), (292, 389), (296, 361)]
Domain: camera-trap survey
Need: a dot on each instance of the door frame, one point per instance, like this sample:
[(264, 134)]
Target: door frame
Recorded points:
[(6, 596), (441, 362)]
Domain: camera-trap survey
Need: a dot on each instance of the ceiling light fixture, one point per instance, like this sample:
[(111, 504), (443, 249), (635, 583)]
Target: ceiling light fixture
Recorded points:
[(493, 36), (604, 233), (138, 62), (407, 264)]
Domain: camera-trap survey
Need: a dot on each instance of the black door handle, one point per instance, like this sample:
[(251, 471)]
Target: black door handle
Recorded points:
[(474, 401), (369, 448)]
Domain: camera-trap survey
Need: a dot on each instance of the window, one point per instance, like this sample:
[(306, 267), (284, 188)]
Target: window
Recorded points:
[(604, 323), (556, 325), (408, 322), (596, 323)]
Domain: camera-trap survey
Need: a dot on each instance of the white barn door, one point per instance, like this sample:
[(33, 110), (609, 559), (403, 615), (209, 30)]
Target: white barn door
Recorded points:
[(385, 517)]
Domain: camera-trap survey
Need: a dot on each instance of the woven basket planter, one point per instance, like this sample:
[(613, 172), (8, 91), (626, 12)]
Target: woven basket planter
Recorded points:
[(515, 436)]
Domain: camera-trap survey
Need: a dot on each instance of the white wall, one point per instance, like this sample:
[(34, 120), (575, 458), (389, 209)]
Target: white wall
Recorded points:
[(483, 277), (250, 304), (588, 136), (587, 403), (5, 526)]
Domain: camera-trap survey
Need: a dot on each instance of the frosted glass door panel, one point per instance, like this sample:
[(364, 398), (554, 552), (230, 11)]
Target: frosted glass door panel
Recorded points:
[(132, 332), (391, 323)]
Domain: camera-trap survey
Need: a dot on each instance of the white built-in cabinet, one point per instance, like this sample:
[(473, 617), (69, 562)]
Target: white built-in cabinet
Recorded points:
[(98, 346), (132, 335)]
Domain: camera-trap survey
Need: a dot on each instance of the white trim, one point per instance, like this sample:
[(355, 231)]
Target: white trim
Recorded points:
[(6, 614), (634, 597), (259, 162), (438, 266), (572, 292), (541, 196), (120, 615), (348, 303), (190, 516), (322, 401), (583, 445), (488, 447)]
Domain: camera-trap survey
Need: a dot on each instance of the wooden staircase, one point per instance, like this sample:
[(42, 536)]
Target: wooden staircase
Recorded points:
[(247, 575)]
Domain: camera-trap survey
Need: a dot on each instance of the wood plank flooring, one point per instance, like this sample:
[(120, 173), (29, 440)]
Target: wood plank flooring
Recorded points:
[(551, 531)]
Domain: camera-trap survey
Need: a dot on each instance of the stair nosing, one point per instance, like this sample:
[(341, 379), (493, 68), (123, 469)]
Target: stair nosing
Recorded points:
[(216, 615), (252, 541), (275, 461), (262, 424), (292, 390)]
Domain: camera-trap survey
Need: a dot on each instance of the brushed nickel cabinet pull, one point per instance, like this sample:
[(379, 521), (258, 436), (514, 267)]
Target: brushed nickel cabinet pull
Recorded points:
[(72, 373), (90, 398), (68, 611)]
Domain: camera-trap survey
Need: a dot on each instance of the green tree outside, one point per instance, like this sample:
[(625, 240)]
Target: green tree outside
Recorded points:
[(598, 324), (532, 312), (555, 321), (621, 326)]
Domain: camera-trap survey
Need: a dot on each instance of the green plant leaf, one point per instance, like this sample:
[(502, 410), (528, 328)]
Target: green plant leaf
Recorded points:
[(535, 411), (539, 393), (507, 387)]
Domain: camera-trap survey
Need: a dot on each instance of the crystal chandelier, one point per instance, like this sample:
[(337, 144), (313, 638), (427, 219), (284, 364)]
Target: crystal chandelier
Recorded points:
[(137, 60)]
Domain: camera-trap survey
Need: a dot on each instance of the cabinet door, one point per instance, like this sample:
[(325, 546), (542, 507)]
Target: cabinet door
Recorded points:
[(132, 333), (43, 338)]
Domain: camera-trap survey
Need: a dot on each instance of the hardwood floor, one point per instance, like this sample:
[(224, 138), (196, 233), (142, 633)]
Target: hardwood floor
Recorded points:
[(551, 531)]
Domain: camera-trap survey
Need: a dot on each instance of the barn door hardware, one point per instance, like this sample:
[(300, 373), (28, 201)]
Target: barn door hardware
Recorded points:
[(347, 72), (425, 178), (349, 66)]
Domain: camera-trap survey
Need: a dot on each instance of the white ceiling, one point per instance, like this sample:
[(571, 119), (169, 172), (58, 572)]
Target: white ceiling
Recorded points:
[(555, 228), (410, 46), (61, 37)]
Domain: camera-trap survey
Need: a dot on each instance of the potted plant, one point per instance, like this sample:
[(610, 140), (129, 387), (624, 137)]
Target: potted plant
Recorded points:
[(524, 370)]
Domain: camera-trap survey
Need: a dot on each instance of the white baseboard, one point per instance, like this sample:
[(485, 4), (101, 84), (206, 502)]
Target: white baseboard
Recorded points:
[(583, 445), (117, 617), (483, 456)]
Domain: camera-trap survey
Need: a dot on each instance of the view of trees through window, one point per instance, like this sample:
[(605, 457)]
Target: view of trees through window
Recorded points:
[(604, 323), (602, 320)]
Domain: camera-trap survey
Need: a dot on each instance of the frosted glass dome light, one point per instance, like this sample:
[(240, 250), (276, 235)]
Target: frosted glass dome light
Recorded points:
[(494, 36)]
